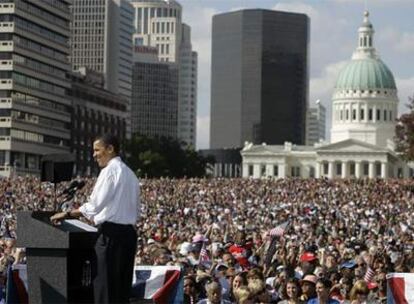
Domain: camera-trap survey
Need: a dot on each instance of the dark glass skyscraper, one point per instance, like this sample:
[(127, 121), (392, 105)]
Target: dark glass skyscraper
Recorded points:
[(259, 78)]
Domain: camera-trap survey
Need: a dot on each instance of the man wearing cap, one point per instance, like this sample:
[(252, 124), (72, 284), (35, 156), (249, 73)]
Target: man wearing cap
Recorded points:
[(347, 269), (308, 262), (185, 248)]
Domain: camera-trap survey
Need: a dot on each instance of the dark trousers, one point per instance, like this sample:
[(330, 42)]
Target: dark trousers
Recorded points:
[(115, 252)]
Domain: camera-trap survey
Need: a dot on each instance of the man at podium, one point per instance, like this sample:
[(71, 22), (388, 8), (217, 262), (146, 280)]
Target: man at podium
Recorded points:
[(113, 207)]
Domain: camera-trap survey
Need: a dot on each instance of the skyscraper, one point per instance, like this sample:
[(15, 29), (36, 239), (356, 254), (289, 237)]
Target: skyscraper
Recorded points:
[(259, 78), (95, 111), (101, 35), (35, 109), (315, 124), (158, 23), (154, 94), (187, 99)]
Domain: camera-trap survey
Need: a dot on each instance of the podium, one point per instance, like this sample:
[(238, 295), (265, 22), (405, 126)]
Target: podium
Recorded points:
[(61, 259)]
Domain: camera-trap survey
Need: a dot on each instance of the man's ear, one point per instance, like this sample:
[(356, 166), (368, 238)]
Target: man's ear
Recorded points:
[(111, 149)]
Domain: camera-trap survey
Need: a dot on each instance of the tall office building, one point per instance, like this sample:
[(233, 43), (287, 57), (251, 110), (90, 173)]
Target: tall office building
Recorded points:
[(158, 23), (154, 94), (95, 111), (315, 124), (259, 78), (187, 99), (101, 35), (34, 107)]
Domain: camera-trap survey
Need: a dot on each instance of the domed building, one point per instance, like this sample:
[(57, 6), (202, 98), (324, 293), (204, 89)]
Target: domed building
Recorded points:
[(364, 112), (365, 102)]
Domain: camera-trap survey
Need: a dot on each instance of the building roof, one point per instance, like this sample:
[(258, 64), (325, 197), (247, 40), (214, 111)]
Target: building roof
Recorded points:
[(365, 74), (288, 147), (365, 71), (171, 3)]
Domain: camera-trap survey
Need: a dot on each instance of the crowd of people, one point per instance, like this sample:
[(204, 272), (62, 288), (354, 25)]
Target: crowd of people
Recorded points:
[(255, 240)]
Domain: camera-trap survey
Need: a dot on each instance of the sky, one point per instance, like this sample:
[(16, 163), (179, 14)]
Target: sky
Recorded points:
[(334, 25)]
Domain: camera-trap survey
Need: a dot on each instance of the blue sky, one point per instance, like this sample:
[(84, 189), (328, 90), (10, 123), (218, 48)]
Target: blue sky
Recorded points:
[(334, 25)]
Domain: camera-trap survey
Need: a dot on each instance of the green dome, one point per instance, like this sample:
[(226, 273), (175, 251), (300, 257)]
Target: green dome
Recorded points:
[(365, 74)]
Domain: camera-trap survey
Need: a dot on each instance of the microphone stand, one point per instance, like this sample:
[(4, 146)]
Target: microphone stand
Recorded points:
[(55, 199)]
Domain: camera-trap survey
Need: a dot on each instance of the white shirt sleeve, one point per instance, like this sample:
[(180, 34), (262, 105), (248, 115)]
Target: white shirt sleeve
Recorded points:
[(102, 194), (115, 197)]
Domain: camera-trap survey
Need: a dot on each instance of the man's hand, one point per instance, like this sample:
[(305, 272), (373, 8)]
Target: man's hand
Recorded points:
[(58, 217)]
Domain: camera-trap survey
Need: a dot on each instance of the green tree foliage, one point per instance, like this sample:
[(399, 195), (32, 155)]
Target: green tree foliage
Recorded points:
[(163, 157), (404, 133)]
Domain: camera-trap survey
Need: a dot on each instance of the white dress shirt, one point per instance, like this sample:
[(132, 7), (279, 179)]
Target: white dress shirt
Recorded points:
[(115, 197)]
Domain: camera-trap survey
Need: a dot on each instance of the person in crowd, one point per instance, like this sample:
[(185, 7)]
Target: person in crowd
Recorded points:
[(239, 280), (242, 295), (291, 292), (241, 249), (214, 296), (359, 293), (258, 291), (323, 287), (308, 287), (190, 290)]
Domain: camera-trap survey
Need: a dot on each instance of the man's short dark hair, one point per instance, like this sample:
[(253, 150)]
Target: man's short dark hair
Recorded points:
[(109, 140), (325, 282)]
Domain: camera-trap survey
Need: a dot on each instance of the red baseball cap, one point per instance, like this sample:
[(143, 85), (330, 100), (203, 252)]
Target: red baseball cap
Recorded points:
[(308, 257)]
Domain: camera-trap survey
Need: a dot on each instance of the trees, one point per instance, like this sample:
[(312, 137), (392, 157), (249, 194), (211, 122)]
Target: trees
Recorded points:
[(404, 133), (162, 157)]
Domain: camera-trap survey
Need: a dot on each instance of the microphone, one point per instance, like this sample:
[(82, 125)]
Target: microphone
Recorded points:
[(72, 186), (70, 192), (80, 185)]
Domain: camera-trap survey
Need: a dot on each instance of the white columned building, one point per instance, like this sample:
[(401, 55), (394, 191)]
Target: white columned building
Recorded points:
[(364, 110)]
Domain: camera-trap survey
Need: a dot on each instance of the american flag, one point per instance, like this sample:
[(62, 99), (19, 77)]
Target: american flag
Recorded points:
[(369, 275), (279, 230), (204, 258)]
